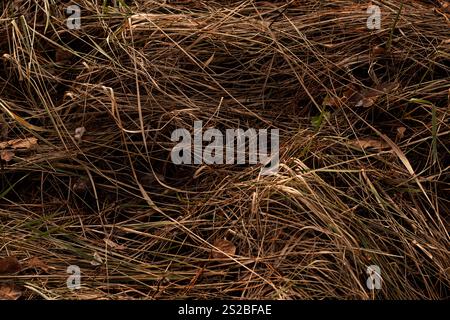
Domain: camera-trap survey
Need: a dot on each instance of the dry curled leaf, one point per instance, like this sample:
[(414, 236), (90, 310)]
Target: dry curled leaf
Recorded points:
[(9, 292), (360, 98), (366, 102), (26, 143), (331, 101), (369, 143), (445, 6), (37, 263), (6, 155), (400, 132), (367, 98), (377, 50), (79, 132), (225, 248), (9, 265), (114, 245), (97, 261), (151, 179), (63, 56), (80, 185)]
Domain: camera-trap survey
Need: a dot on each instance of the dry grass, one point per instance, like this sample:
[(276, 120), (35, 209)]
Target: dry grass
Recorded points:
[(358, 185)]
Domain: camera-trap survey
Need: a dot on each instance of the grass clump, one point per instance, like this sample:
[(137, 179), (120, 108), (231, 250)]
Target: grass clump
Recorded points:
[(364, 136)]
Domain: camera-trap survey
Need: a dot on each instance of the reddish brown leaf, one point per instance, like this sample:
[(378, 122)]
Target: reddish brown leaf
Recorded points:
[(9, 292), (79, 132), (114, 245), (63, 56), (366, 102), (6, 155), (368, 97), (377, 50), (9, 265), (369, 143), (19, 143), (225, 248), (37, 263), (331, 101), (400, 132)]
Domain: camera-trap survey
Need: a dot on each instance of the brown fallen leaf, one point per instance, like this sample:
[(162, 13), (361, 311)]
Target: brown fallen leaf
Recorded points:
[(366, 102), (331, 101), (97, 261), (387, 87), (80, 185), (114, 245), (79, 132), (445, 6), (9, 292), (400, 133), (224, 246), (63, 56), (377, 50), (349, 93), (26, 143), (9, 265), (359, 98), (37, 263), (6, 155), (369, 143), (367, 98)]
